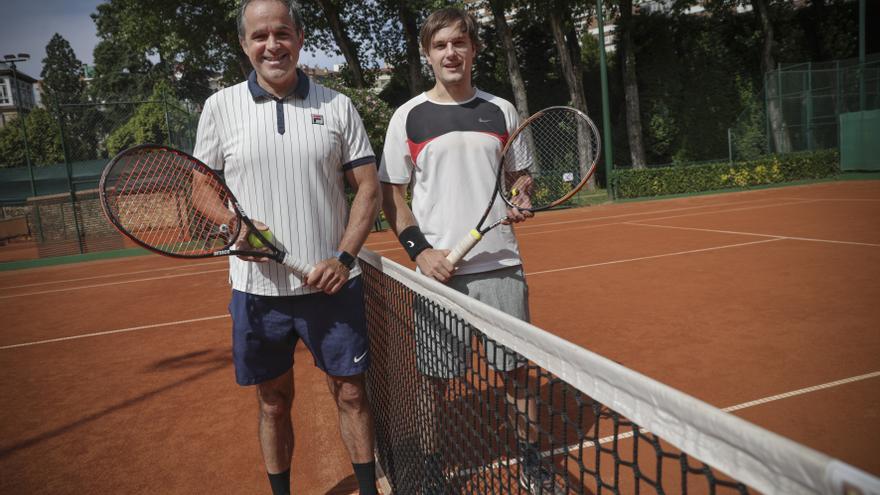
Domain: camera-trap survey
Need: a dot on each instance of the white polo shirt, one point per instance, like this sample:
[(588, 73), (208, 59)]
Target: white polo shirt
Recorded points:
[(449, 153), (284, 160)]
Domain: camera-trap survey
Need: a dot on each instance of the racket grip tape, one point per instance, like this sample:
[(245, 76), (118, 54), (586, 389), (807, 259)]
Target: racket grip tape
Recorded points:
[(464, 246), (301, 269)]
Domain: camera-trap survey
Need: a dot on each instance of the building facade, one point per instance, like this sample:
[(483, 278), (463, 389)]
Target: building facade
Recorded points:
[(16, 93)]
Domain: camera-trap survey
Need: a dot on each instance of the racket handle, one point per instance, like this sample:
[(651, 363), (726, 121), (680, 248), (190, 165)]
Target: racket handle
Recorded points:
[(464, 246), (301, 269)]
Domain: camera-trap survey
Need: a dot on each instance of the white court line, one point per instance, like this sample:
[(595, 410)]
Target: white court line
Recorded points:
[(744, 208), (807, 239), (111, 275), (802, 391), (110, 332), (738, 407), (528, 225), (870, 200), (679, 253), (93, 286), (609, 217)]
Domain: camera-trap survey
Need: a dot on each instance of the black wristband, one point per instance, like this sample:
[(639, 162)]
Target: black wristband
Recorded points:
[(413, 241)]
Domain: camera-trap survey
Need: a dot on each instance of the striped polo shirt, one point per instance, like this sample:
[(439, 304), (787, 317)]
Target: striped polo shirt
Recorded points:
[(285, 160)]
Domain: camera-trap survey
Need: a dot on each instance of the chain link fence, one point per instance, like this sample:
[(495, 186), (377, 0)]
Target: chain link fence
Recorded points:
[(57, 193), (800, 105)]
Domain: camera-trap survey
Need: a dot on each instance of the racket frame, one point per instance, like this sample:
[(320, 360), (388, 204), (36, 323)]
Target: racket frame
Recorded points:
[(242, 220), (473, 237)]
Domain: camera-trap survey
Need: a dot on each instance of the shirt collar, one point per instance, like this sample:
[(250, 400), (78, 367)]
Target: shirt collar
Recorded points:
[(301, 90)]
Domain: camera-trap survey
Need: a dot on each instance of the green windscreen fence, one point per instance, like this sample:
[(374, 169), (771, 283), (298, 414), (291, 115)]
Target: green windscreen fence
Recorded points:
[(15, 182), (860, 141)]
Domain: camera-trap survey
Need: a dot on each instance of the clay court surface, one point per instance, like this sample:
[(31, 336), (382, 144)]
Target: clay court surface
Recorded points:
[(117, 376)]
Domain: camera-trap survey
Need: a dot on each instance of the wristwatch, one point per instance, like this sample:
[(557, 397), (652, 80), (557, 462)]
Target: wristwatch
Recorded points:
[(345, 258)]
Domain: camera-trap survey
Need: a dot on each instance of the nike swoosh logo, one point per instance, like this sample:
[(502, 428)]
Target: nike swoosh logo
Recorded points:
[(410, 244), (359, 358), (482, 120)]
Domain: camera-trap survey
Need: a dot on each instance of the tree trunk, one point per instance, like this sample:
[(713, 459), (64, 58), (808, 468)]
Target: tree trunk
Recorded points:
[(572, 78), (631, 88), (413, 54), (516, 81), (570, 64), (345, 44), (780, 137)]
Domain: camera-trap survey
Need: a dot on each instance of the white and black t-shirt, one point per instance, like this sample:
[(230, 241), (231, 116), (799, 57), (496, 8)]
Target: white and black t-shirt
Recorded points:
[(449, 153)]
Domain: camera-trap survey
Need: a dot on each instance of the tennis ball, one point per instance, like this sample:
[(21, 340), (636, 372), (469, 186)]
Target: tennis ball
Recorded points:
[(255, 241)]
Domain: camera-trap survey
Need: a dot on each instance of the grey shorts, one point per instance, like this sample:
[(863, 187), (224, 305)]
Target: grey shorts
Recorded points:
[(444, 344)]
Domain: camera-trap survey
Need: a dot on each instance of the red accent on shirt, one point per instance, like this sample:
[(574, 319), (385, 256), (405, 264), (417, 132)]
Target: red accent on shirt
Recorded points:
[(416, 148)]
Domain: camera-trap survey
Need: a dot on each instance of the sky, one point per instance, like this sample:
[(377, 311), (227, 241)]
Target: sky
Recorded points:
[(28, 25)]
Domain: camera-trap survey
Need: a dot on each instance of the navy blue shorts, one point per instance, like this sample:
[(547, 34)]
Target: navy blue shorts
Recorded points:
[(266, 329)]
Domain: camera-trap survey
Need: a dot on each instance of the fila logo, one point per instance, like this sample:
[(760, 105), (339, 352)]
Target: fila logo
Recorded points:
[(317, 119), (361, 357)]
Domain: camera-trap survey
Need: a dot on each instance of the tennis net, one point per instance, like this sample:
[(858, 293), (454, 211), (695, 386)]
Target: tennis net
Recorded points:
[(569, 421)]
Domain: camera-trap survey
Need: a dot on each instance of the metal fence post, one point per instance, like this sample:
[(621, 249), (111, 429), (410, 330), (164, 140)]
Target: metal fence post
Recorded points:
[(809, 101), (730, 145), (69, 172), (770, 144), (167, 119)]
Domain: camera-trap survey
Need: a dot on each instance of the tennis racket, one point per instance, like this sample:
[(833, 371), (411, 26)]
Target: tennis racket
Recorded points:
[(173, 204), (546, 160)]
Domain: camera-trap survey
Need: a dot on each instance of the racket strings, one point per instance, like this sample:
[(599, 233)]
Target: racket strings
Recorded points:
[(154, 200), (549, 159)]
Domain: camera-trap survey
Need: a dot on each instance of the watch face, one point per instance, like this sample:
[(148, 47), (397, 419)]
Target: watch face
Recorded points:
[(346, 259)]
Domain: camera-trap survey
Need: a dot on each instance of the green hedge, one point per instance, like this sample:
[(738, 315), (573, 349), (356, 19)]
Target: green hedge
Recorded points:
[(684, 179)]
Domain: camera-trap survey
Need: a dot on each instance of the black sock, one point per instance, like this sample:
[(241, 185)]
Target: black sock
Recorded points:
[(366, 477), (280, 482), (530, 452), (434, 466)]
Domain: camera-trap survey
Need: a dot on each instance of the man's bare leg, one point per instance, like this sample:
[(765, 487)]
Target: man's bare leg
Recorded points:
[(275, 398)]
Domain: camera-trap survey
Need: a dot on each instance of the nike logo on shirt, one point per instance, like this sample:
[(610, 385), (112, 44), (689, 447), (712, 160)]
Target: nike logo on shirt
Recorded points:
[(361, 357)]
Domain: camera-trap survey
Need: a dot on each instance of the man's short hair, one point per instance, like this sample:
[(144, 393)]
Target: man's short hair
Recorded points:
[(292, 8), (449, 17)]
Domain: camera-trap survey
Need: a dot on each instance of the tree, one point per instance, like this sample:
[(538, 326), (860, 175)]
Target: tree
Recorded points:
[(193, 41), (62, 73), (149, 124), (63, 86), (398, 40), (44, 141), (409, 21), (781, 138), (560, 17), (331, 18), (518, 85), (630, 85), (120, 74)]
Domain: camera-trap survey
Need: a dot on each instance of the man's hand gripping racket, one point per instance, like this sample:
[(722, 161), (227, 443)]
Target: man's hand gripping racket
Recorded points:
[(546, 160), (173, 204)]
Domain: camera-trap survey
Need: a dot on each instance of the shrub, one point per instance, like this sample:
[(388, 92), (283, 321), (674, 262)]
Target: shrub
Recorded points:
[(683, 179)]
